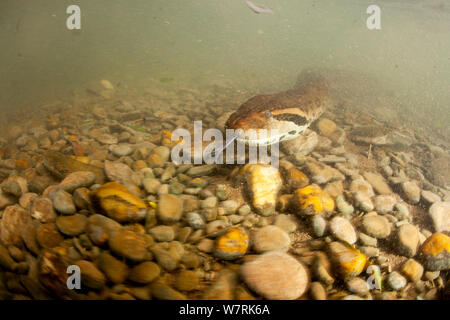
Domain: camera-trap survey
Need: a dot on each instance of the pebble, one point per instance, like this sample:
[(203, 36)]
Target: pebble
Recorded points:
[(206, 245), (199, 171), (158, 156), (214, 227), (14, 223), (412, 269), (430, 197), (270, 238), (100, 227), (343, 230), (362, 193), (317, 291), (186, 280), (367, 240), (232, 245), (42, 209), (223, 287), (72, 225), (349, 262), (117, 171), (285, 222), (408, 240), (81, 198), (396, 281), (343, 206), (321, 173), (115, 270), (62, 202), (326, 127), (91, 277), (48, 236), (440, 215), (402, 211), (209, 202), (411, 192), (301, 145), (244, 210), (170, 208), (121, 149), (195, 220), (166, 260), (151, 185), (76, 180), (162, 233), (162, 291), (435, 252), (377, 182), (384, 203), (128, 244), (358, 286), (376, 226), (275, 276), (229, 206), (144, 272)]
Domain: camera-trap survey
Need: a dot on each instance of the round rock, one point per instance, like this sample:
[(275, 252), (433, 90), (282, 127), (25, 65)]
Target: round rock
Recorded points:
[(72, 225), (376, 226), (270, 238), (170, 208), (343, 230), (276, 276)]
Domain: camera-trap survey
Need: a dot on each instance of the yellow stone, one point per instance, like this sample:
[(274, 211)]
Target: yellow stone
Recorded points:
[(313, 200), (412, 270), (437, 243), (264, 183), (232, 245), (166, 139), (348, 261), (118, 202)]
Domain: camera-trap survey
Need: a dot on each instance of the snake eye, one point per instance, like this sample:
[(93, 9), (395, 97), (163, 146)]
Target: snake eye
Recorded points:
[(267, 114)]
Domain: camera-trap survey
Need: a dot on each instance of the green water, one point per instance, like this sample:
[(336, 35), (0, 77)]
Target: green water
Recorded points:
[(222, 41)]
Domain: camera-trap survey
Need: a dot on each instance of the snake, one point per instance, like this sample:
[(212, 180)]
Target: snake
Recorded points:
[(289, 112)]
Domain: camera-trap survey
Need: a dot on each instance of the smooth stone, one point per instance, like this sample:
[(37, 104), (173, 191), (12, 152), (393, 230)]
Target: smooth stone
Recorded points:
[(223, 287), (408, 240), (411, 192), (42, 209), (402, 211), (186, 280), (76, 180), (62, 202), (144, 272), (115, 270), (165, 259), (430, 197), (195, 220), (209, 202), (358, 286), (377, 182), (384, 203), (162, 291), (15, 221), (121, 150), (270, 238), (301, 145), (170, 208), (343, 206), (91, 277), (230, 206), (216, 226), (396, 281), (203, 170), (206, 245), (48, 236), (376, 226), (151, 185), (367, 240), (128, 244), (162, 233), (285, 222), (117, 171), (412, 269), (440, 215), (72, 225), (317, 291), (343, 230), (275, 276)]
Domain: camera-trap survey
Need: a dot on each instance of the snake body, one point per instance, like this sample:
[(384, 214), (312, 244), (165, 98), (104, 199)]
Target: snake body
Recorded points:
[(290, 112)]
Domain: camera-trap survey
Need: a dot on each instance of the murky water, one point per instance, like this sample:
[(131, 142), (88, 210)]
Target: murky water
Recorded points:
[(86, 166), (209, 41)]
